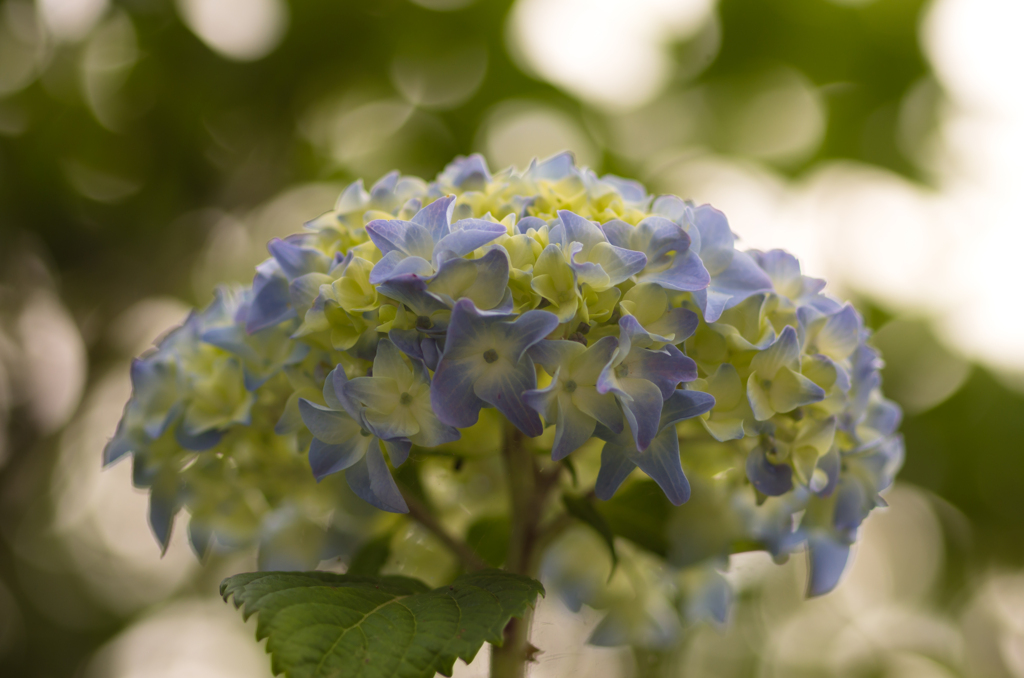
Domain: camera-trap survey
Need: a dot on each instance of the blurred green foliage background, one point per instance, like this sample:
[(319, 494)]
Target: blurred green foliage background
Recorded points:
[(141, 161)]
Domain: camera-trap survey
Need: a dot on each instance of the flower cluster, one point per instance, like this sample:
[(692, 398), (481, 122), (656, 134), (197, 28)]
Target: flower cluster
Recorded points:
[(601, 322)]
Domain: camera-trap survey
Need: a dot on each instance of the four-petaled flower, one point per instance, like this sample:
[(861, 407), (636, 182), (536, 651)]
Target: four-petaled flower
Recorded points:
[(571, 401), (485, 361)]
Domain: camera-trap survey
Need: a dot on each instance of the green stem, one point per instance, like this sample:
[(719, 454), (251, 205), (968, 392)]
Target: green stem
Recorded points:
[(529, 488)]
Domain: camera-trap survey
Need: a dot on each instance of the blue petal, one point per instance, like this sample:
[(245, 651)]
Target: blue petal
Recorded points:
[(396, 264), (827, 559), (529, 329), (554, 168), (630, 190), (197, 442), (526, 223), (717, 240), (773, 480), (544, 401), (665, 368), (506, 394), (851, 507), (385, 186), (642, 407), (398, 450), (711, 601), (437, 217), (466, 236), (123, 442), (163, 507), (553, 353), (328, 425), (573, 428), (296, 260), (615, 467), (467, 170), (686, 274), (412, 291), (271, 305), (483, 281), (371, 480), (742, 279), (200, 538), (325, 459), (353, 198), (394, 235), (617, 232), (661, 462), (682, 405), (574, 228), (830, 464), (452, 396), (671, 207), (884, 417)]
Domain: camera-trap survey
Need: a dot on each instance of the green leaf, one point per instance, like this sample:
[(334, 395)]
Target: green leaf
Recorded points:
[(582, 509), (639, 512), (320, 624)]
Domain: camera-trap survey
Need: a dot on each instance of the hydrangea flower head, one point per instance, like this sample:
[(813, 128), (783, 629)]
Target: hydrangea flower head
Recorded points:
[(608, 329)]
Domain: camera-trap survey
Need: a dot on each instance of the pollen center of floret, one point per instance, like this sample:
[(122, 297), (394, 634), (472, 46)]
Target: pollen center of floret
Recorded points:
[(570, 386), (405, 399), (490, 355), (363, 432), (622, 371), (424, 322)]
